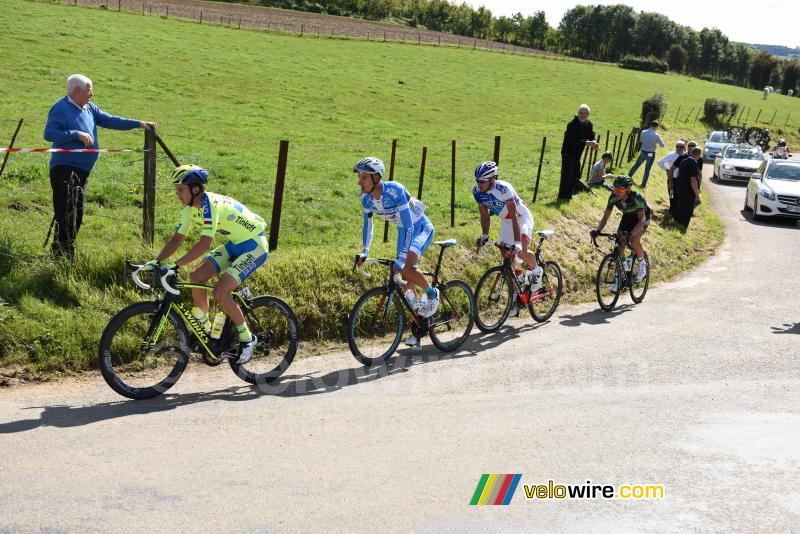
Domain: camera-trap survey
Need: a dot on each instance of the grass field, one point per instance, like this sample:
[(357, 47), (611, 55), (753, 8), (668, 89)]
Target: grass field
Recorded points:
[(224, 98)]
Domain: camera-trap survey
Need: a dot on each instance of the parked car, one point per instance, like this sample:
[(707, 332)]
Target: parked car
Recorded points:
[(737, 162), (714, 144), (774, 190)]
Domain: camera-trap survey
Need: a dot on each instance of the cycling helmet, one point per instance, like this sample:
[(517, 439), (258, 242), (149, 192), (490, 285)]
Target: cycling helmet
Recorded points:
[(190, 174), (623, 181), (371, 165), (486, 171), (782, 142)]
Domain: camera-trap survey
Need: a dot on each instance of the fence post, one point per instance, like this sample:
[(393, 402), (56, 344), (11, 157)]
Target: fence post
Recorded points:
[(773, 117), (497, 149), (739, 119), (302, 29), (787, 120), (689, 116), (608, 134), (677, 113), (539, 171), (614, 152), (11, 145), (757, 116), (422, 172), (419, 38), (453, 184), (748, 114), (277, 200), (149, 204), (201, 16), (391, 177), (696, 116), (119, 6), (167, 13), (167, 151)]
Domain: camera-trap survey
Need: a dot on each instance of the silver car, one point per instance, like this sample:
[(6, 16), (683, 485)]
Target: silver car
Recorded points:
[(714, 144), (737, 162)]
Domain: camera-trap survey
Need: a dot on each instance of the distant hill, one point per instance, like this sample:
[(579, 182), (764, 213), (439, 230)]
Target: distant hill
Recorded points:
[(779, 51)]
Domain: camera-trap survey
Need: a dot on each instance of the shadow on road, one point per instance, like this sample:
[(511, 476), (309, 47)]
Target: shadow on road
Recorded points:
[(786, 223), (597, 316), (65, 416), (788, 328)]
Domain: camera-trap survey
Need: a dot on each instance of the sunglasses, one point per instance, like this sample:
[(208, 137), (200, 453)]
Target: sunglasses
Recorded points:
[(620, 189)]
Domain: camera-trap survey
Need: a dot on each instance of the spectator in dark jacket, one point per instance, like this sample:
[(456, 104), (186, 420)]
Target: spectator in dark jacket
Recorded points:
[(579, 134), (688, 187)]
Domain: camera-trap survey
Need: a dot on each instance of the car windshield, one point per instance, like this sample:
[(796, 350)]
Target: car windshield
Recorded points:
[(744, 153), (784, 172), (718, 137)]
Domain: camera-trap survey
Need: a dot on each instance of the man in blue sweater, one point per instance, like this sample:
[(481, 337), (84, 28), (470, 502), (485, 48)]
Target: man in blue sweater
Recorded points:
[(72, 123), (649, 139)]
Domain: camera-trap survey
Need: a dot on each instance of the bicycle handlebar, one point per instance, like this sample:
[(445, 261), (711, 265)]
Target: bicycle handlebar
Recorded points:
[(613, 236), (375, 261), (166, 274)]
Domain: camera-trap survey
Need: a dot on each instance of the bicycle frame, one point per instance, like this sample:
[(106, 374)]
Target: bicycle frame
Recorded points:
[(615, 253), (507, 254)]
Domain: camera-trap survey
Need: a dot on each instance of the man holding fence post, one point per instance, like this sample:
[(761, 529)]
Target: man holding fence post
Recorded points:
[(72, 123), (579, 134)]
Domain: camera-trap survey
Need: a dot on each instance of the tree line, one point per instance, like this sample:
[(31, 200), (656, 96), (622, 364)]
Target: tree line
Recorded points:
[(600, 33)]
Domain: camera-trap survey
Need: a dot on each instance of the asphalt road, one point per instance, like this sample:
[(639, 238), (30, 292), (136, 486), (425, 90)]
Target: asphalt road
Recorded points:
[(697, 389)]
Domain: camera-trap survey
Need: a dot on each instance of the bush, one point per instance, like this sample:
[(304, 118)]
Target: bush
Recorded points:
[(716, 110), (727, 80), (653, 108), (648, 64), (707, 78)]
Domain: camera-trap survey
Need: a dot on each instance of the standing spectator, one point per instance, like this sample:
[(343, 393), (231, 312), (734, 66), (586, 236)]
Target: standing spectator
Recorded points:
[(688, 187), (579, 134), (648, 139), (599, 174), (675, 201), (667, 163), (72, 123)]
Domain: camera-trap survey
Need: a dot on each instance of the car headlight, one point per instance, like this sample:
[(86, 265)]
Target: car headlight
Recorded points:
[(727, 167), (769, 195), (706, 149)]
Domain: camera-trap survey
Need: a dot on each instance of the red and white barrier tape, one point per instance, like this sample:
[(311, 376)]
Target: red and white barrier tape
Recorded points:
[(6, 149)]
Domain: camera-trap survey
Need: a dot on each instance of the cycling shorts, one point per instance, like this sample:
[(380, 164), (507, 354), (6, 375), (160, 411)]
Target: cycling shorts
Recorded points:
[(507, 230), (240, 260), (421, 240), (629, 222)]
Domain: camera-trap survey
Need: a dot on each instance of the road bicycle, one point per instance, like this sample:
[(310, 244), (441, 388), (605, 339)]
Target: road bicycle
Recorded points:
[(758, 137), (614, 267), (377, 321), (735, 134), (146, 346), (499, 286)]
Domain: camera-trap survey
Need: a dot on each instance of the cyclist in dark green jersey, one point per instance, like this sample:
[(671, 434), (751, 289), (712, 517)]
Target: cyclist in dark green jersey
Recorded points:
[(635, 219)]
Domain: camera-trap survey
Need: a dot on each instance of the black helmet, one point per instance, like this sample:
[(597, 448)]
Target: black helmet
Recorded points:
[(623, 181)]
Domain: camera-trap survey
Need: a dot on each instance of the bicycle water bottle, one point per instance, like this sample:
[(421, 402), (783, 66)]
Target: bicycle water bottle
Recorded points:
[(216, 327), (520, 275), (411, 297), (628, 262)]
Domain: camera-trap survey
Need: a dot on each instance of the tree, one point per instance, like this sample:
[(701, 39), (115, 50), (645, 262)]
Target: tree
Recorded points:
[(712, 48), (677, 57), (653, 33), (761, 70), (791, 75), (534, 30)]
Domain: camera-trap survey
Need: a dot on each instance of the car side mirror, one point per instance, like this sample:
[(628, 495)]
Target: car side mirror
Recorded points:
[(756, 176)]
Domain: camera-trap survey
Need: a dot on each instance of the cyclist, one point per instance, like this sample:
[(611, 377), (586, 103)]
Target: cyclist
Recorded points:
[(781, 150), (635, 219), (497, 197), (392, 202), (234, 261)]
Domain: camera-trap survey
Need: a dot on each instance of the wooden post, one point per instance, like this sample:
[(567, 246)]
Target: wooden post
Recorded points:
[(149, 204), (419, 38), (740, 115), (497, 149), (167, 151), (677, 113), (453, 183), (119, 6), (384, 36), (11, 145), (201, 16), (422, 172), (539, 171), (391, 177), (277, 200), (757, 117), (787, 120), (302, 29), (440, 40), (748, 114), (240, 25), (689, 116), (696, 116), (773, 117), (608, 134), (166, 15)]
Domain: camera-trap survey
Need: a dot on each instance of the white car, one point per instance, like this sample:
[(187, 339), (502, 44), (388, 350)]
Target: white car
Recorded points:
[(774, 190), (737, 162)]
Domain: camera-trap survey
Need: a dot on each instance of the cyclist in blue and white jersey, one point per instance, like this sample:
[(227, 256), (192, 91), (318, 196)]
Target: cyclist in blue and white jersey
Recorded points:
[(392, 202), (497, 197)]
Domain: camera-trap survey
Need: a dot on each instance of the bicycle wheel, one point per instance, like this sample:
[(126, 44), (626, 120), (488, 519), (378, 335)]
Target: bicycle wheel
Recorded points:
[(135, 366), (272, 321), (607, 274), (549, 295), (639, 289), (376, 325), (453, 321), (492, 299), (754, 135)]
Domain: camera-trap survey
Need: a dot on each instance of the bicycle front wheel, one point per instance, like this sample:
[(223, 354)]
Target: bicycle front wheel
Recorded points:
[(140, 359), (639, 288), (544, 303), (608, 283), (272, 321), (492, 299), (453, 321), (376, 326)]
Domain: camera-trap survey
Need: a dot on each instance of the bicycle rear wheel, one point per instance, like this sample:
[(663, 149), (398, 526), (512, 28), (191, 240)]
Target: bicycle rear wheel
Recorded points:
[(453, 321), (549, 295), (272, 321), (140, 359), (639, 289), (376, 326), (492, 299), (606, 275)]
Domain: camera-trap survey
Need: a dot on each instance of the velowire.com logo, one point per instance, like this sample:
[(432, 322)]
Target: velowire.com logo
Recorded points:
[(495, 489)]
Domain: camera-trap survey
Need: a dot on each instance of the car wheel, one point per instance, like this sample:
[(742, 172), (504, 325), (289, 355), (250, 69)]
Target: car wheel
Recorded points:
[(746, 207), (756, 216)]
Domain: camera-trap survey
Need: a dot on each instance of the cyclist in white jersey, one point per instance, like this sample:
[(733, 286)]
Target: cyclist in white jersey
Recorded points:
[(497, 197), (393, 203)]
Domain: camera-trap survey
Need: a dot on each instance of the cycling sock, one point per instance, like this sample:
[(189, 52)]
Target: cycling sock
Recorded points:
[(431, 292), (202, 318), (244, 332)]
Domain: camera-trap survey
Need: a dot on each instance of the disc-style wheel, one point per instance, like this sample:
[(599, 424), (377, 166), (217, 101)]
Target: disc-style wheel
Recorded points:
[(453, 320), (607, 274), (492, 299), (639, 288), (140, 359), (376, 326), (272, 321), (545, 301)]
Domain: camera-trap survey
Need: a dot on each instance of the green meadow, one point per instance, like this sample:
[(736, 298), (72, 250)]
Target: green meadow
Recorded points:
[(224, 98)]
